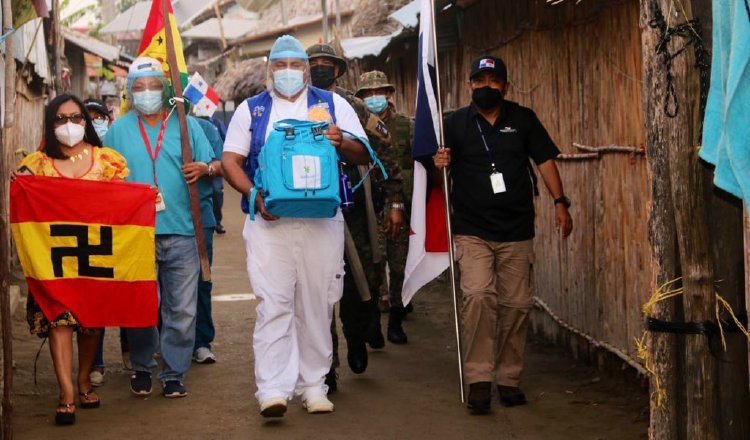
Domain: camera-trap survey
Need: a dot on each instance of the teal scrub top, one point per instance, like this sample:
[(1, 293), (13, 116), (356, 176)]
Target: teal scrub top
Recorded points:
[(124, 136)]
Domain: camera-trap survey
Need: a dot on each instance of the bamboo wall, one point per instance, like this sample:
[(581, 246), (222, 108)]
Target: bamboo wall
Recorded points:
[(579, 68)]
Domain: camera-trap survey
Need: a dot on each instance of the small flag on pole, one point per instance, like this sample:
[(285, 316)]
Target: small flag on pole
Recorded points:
[(204, 98), (428, 241)]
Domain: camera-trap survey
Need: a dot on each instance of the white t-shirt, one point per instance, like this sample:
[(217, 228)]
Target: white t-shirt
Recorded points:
[(238, 133)]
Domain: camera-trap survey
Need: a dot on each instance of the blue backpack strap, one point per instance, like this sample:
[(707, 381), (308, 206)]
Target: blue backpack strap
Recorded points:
[(260, 113), (375, 160)]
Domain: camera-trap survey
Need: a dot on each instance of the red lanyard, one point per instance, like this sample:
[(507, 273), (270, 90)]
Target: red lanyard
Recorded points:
[(154, 154)]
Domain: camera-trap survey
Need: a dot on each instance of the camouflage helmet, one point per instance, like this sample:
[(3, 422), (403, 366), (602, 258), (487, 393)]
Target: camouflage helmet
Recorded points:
[(373, 80), (327, 51)]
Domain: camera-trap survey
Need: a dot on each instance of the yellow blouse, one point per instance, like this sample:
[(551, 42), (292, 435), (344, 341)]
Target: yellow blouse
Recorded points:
[(107, 164)]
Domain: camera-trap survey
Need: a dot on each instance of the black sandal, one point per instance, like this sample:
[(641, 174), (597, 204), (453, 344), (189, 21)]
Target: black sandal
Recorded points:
[(65, 418), (88, 405)]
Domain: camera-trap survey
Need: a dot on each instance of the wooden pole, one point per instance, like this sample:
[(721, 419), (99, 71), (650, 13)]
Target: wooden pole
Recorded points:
[(338, 17), (224, 45), (56, 46), (324, 7), (284, 19), (685, 180), (662, 347), (187, 153), (5, 164)]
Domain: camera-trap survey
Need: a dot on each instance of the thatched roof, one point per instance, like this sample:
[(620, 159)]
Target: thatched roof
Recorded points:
[(371, 17), (297, 11), (246, 79)]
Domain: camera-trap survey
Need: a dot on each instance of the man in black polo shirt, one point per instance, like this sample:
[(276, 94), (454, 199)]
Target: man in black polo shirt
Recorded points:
[(490, 144)]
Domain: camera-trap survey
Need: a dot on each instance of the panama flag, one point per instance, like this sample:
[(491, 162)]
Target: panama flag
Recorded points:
[(204, 99), (428, 240), (96, 260)]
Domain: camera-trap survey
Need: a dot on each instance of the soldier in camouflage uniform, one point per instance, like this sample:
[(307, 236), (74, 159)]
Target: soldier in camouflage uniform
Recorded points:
[(360, 319), (377, 94)]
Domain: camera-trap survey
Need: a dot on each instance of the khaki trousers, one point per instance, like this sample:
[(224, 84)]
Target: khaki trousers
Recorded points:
[(496, 285)]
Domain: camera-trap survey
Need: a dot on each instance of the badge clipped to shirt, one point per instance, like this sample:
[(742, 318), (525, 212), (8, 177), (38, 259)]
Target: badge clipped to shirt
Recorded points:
[(498, 183), (160, 205)]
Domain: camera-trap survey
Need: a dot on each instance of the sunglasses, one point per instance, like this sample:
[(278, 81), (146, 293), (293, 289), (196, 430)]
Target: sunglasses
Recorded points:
[(63, 119)]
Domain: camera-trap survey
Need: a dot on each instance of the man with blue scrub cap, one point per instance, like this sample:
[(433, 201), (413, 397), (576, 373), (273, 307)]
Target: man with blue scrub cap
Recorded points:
[(148, 136), (295, 265)]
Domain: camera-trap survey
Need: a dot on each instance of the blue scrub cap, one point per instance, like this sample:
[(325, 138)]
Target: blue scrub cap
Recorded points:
[(287, 46), (145, 66)]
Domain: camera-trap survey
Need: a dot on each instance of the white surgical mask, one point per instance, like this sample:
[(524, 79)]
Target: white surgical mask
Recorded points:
[(70, 134), (288, 82), (148, 102)]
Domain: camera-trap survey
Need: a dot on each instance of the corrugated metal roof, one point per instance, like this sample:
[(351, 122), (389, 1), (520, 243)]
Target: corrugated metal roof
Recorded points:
[(92, 45), (233, 28), (134, 19), (28, 41), (361, 47)]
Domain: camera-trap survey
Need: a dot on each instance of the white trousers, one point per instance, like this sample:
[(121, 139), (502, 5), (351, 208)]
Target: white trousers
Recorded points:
[(296, 269)]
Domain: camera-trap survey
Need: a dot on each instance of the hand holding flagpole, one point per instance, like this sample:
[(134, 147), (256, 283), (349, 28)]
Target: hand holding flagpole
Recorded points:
[(187, 155), (431, 238)]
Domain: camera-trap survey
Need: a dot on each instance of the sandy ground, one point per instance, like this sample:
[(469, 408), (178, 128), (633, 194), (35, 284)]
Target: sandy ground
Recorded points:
[(408, 392)]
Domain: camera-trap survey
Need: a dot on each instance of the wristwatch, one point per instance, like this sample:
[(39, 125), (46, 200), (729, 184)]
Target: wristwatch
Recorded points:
[(210, 169), (563, 200)]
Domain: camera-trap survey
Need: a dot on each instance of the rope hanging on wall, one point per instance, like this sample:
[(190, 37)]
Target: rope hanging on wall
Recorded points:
[(689, 31)]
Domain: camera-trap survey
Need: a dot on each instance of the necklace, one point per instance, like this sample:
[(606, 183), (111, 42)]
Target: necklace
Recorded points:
[(80, 155)]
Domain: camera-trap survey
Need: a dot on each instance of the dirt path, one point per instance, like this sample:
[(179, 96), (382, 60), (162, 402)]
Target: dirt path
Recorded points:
[(408, 392)]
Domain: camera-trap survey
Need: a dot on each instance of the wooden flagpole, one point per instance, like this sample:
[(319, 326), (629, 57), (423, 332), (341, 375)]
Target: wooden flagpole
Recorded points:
[(5, 164), (187, 153), (446, 193)]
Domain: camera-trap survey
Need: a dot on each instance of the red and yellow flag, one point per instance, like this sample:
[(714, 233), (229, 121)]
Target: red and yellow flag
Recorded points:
[(87, 247), (154, 44), (154, 41)]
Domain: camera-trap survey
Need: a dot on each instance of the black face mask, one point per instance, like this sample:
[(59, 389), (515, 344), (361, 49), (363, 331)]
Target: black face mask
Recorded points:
[(487, 98), (322, 76)]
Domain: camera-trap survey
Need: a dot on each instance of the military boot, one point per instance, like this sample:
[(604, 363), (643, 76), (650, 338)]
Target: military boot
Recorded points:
[(374, 330), (396, 334)]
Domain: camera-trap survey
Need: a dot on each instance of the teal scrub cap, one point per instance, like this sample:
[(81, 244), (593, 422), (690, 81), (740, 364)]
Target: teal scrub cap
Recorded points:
[(287, 46)]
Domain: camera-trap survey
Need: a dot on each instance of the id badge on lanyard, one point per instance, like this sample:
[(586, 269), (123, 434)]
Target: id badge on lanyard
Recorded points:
[(496, 178), (154, 154)]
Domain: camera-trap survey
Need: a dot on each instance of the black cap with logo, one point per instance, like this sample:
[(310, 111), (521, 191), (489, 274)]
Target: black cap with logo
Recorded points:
[(489, 64)]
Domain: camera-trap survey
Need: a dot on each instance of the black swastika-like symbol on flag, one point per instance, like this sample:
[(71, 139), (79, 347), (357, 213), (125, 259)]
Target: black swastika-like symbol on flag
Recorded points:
[(83, 251)]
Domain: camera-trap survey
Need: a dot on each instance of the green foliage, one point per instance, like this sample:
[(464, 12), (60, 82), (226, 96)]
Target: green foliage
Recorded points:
[(124, 5)]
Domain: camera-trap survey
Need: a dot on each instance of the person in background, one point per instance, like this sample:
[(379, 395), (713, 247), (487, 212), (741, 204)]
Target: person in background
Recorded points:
[(488, 147), (204, 324), (71, 150), (360, 319), (101, 120), (218, 181), (149, 137), (377, 94)]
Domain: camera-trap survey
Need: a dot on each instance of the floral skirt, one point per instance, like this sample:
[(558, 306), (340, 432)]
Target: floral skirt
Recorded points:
[(39, 324)]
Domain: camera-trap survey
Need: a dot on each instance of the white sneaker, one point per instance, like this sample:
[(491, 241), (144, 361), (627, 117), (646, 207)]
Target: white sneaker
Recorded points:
[(318, 404), (204, 355), (97, 378), (274, 407)]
